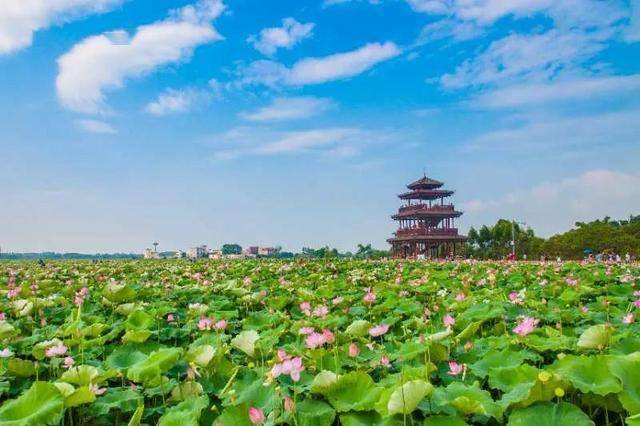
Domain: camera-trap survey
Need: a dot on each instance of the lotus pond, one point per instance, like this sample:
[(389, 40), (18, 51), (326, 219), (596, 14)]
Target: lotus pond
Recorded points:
[(319, 343)]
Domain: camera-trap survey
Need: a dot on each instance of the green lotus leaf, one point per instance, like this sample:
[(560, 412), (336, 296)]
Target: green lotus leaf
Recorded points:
[(94, 330), (82, 375), (466, 400), (595, 337), (80, 396), (65, 388), (154, 365), (186, 390), (444, 421), (507, 378), (353, 391), (470, 330), (311, 412), (627, 370), (138, 320), (323, 381), (406, 398), (358, 328), (22, 307), (369, 418), (555, 343), (118, 293), (588, 374), (236, 415), (136, 336), (187, 413), (548, 414), (21, 368), (7, 330), (201, 355), (246, 342), (41, 404), (496, 359), (123, 358), (125, 400)]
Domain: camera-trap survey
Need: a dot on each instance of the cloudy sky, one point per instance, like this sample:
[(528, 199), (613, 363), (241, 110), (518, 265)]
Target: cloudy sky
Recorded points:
[(297, 122)]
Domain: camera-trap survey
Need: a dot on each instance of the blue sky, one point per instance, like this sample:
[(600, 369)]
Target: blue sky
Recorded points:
[(297, 122)]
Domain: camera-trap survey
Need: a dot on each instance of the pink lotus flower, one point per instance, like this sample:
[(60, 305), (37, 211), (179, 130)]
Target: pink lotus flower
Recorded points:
[(516, 298), (571, 282), (369, 297), (289, 404), (628, 319), (315, 340), (378, 330), (282, 355), (56, 350), (305, 307), (256, 416), (460, 297), (455, 368), (321, 311), (68, 362), (304, 331), (221, 325), (329, 337), (12, 293), (384, 361), (206, 323), (584, 309), (289, 367), (354, 350), (448, 321), (171, 318), (97, 390), (525, 325), (637, 303), (337, 300), (3, 316), (247, 281), (6, 353)]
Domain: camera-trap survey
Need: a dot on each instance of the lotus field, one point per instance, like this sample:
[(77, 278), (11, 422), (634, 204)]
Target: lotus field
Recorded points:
[(319, 343)]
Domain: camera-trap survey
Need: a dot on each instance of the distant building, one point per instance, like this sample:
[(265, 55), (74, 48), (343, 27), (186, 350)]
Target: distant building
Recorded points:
[(268, 251), (180, 254), (253, 250), (215, 254), (150, 254), (197, 252)]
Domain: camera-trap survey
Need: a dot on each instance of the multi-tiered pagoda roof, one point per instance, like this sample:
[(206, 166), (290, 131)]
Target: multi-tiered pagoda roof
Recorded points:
[(426, 222)]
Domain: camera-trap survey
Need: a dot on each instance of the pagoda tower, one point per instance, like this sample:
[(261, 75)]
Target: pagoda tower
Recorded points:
[(426, 222)]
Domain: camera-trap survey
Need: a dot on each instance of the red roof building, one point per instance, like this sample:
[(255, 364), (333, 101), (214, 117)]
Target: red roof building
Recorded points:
[(426, 223)]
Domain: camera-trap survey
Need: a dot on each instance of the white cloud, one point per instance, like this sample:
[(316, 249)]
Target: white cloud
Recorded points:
[(552, 207), (95, 126), (104, 62), (289, 109), (328, 141), (173, 101), (319, 70), (632, 33), (579, 89), (615, 128), (20, 19), (334, 2), (530, 58), (288, 35)]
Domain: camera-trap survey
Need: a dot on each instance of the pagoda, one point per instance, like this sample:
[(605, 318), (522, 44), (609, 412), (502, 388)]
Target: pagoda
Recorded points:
[(426, 223)]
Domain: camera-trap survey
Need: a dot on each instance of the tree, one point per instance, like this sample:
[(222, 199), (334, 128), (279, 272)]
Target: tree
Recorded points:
[(231, 249)]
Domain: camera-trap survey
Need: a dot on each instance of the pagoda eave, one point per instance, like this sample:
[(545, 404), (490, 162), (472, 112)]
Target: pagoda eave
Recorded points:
[(426, 215), (431, 238), (425, 194)]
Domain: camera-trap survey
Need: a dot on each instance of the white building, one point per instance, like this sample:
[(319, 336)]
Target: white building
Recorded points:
[(197, 252), (150, 254)]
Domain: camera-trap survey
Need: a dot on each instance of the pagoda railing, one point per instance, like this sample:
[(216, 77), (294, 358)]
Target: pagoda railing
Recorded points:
[(424, 208), (426, 232)]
